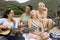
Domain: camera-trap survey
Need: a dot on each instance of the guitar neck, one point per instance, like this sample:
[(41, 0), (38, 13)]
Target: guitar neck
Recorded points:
[(13, 29)]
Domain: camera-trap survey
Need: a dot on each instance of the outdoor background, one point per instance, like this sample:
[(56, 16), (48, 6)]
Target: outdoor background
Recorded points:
[(19, 6)]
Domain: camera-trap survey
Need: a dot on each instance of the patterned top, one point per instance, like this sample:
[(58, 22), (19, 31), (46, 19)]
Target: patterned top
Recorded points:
[(36, 27)]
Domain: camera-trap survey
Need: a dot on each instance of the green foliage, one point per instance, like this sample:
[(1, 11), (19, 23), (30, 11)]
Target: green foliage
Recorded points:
[(18, 9)]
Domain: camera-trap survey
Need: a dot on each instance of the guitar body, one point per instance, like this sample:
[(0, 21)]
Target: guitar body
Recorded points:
[(5, 32), (8, 31)]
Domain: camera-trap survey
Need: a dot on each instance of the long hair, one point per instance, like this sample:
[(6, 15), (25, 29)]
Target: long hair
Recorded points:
[(41, 3), (6, 16), (7, 12), (33, 12)]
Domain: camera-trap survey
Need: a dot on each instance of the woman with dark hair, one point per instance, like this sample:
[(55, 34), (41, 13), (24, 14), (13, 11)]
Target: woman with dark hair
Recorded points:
[(7, 22), (23, 21), (7, 19)]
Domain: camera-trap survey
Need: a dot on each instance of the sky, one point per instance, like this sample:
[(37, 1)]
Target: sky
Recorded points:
[(20, 1)]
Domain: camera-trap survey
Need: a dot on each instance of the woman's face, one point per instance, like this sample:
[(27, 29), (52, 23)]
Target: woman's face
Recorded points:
[(33, 14), (27, 10), (11, 14), (40, 7)]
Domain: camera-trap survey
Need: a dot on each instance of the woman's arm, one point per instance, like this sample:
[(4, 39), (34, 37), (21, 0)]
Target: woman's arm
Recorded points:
[(20, 18), (42, 28), (19, 22), (29, 23)]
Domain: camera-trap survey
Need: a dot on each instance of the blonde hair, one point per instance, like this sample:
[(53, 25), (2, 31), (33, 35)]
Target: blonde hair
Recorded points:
[(41, 3), (33, 11)]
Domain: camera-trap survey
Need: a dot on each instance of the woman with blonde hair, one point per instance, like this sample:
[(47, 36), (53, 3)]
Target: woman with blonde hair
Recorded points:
[(35, 26), (42, 16), (41, 3)]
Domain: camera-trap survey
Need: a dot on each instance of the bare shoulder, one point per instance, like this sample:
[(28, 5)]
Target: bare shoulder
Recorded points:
[(30, 20), (37, 13)]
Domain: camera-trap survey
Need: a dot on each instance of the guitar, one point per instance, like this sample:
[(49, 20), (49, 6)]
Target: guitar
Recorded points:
[(8, 31)]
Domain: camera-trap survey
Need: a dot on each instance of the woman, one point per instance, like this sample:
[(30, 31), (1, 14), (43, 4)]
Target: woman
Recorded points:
[(23, 21), (8, 22), (36, 28), (35, 25), (42, 15)]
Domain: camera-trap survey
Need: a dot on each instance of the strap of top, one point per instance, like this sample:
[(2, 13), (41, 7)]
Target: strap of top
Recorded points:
[(35, 24)]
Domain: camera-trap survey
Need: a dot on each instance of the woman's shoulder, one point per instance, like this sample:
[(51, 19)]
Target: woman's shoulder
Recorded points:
[(23, 14), (37, 13), (3, 19), (30, 20)]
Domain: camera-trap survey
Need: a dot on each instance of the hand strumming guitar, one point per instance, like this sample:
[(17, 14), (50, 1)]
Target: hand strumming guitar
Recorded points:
[(22, 25), (6, 27)]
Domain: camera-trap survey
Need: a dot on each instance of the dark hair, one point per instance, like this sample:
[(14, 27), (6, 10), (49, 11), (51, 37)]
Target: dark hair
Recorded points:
[(58, 13), (30, 7), (7, 12), (49, 16)]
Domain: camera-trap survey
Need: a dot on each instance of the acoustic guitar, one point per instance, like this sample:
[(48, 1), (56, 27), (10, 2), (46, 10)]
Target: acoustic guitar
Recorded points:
[(8, 30)]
